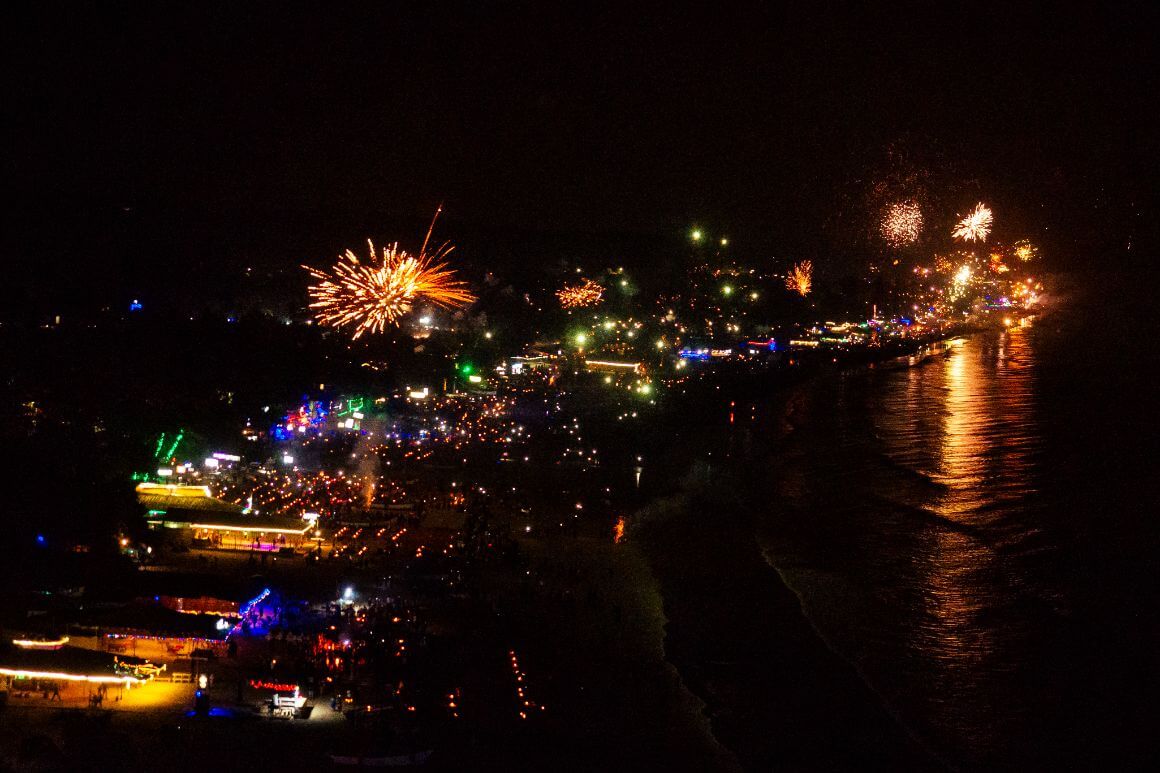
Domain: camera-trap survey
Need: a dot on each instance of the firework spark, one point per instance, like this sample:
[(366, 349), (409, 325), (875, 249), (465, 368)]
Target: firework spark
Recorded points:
[(975, 226), (801, 278), (1026, 251), (902, 224), (587, 293), (367, 297)]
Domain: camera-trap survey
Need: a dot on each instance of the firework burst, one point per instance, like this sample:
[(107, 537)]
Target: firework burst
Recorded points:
[(975, 226), (367, 297), (902, 224), (1026, 251), (801, 278), (587, 293)]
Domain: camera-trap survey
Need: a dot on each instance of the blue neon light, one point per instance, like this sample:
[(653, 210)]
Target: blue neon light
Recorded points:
[(693, 354)]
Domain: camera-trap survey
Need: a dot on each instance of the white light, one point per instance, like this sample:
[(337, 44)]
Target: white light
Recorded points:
[(125, 680), (287, 459)]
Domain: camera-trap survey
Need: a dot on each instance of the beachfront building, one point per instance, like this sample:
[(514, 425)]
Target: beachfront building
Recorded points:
[(204, 521), (54, 670)]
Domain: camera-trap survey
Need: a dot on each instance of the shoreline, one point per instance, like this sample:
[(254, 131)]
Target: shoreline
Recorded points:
[(774, 691)]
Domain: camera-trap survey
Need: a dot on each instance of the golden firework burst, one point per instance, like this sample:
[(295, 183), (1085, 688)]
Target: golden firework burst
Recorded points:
[(367, 297), (902, 224), (801, 278), (587, 293), (974, 227)]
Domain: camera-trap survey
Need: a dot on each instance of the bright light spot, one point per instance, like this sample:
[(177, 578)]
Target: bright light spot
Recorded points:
[(727, 290), (696, 234), (724, 242), (581, 339), (661, 343), (963, 274)]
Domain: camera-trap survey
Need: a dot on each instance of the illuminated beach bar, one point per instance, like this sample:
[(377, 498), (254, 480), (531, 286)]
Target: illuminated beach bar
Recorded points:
[(208, 522)]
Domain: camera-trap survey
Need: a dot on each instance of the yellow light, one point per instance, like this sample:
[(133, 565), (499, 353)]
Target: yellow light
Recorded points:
[(727, 290), (724, 242), (581, 339), (661, 344), (37, 644), (696, 234)]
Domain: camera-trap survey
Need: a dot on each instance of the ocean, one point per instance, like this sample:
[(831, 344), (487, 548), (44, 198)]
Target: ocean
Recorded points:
[(970, 542)]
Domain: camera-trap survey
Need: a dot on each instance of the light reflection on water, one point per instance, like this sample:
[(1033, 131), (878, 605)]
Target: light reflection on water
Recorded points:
[(917, 541)]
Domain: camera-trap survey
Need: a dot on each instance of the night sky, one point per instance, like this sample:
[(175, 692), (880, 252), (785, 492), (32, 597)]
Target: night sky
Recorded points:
[(158, 140)]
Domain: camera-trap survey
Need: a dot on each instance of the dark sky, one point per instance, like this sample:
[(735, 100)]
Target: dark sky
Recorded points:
[(166, 137)]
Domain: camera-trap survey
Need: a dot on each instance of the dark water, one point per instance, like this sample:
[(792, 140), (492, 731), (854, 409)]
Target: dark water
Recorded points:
[(976, 535)]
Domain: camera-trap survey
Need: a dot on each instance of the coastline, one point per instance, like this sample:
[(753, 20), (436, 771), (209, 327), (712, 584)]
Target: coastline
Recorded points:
[(774, 691), (775, 694)]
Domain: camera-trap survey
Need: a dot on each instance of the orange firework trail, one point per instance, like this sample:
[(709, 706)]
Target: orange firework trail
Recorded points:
[(367, 297), (801, 278)]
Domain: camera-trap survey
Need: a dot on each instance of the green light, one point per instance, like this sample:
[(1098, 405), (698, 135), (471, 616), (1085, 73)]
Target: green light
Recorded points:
[(727, 290), (160, 445), (467, 368), (581, 339), (176, 443)]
